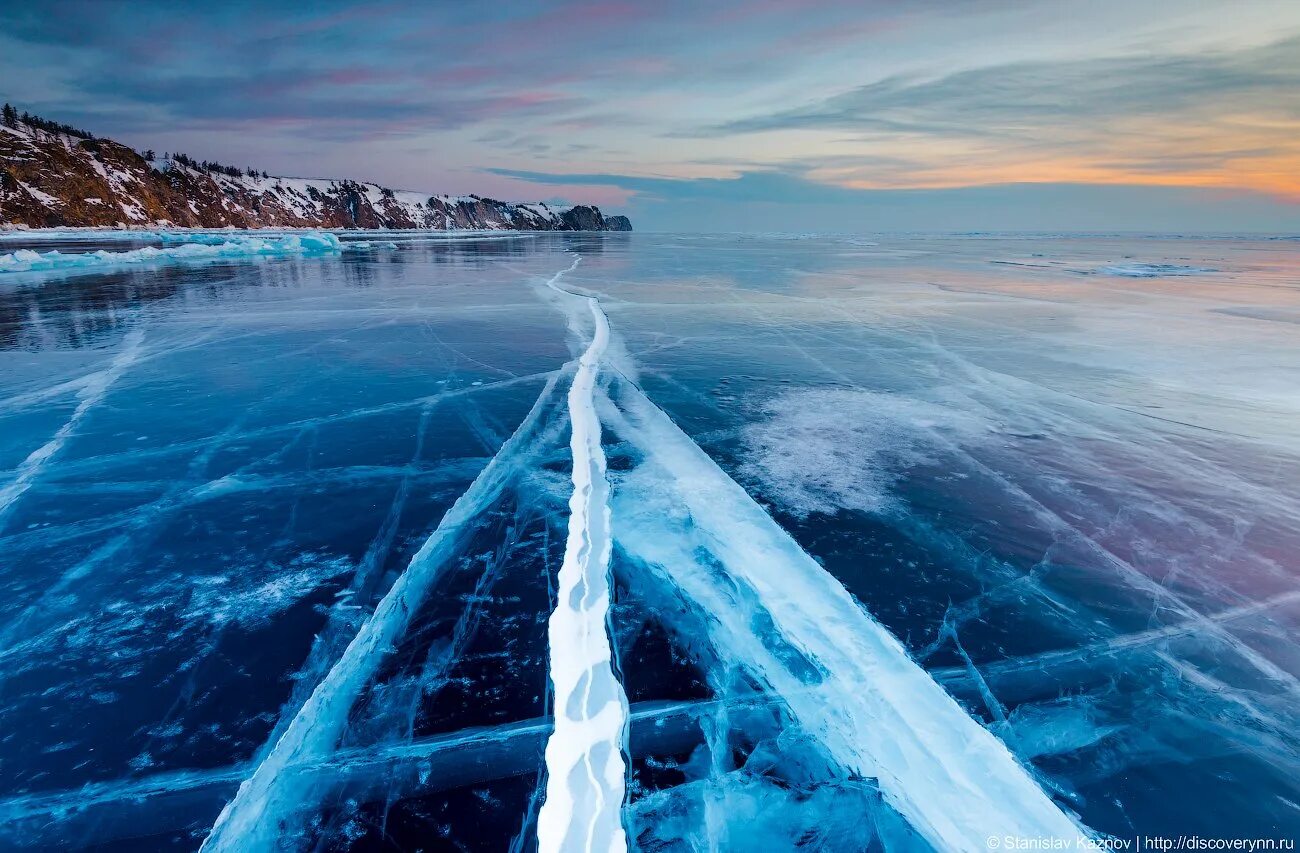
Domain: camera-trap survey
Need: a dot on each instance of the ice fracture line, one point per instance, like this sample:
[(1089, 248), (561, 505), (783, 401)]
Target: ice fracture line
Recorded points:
[(92, 392), (585, 772), (255, 819)]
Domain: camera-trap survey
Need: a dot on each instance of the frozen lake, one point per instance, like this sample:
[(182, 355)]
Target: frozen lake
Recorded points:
[(900, 542)]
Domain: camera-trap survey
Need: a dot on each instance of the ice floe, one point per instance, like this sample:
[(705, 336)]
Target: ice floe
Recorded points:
[(234, 248)]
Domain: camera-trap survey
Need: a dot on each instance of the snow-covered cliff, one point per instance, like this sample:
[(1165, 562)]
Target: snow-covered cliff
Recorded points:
[(52, 179)]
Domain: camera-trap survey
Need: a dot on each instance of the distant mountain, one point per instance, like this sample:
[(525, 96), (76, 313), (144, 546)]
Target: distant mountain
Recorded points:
[(54, 175)]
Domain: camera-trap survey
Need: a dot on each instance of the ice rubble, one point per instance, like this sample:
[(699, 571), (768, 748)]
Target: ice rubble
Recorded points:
[(584, 762), (773, 612), (231, 247)]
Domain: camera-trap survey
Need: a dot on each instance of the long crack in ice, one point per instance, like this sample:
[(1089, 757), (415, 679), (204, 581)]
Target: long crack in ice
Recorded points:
[(258, 816), (91, 392), (845, 679), (584, 761)]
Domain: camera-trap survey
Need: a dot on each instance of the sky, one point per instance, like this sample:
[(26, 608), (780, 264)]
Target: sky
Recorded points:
[(770, 115)]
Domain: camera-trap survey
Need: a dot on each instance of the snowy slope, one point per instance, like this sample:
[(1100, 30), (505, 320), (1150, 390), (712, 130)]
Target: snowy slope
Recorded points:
[(54, 179)]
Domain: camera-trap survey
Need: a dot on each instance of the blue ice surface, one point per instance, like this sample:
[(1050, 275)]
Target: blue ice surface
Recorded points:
[(1072, 499), (1141, 270)]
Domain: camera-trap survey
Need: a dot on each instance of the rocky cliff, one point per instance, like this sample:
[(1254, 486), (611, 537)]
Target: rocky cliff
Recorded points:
[(54, 178)]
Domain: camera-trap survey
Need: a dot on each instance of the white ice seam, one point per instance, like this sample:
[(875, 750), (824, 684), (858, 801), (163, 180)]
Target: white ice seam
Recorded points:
[(585, 771)]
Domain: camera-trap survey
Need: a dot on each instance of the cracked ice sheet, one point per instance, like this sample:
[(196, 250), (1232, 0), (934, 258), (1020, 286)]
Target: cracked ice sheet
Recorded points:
[(876, 713), (256, 817), (91, 391), (1073, 385), (1070, 461), (271, 463)]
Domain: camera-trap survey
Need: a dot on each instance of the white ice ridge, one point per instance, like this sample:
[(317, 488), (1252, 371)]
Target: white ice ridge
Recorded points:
[(232, 247), (585, 772), (269, 800), (91, 392), (773, 612)]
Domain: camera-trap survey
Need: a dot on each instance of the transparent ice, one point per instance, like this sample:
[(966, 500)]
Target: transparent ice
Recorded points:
[(665, 542)]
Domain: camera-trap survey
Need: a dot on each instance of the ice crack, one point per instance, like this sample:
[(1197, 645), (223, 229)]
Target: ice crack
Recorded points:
[(93, 390), (258, 816), (584, 759)]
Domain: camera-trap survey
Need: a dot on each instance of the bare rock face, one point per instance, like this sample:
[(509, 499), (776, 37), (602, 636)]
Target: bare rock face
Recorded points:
[(50, 179), (618, 223), (583, 218)]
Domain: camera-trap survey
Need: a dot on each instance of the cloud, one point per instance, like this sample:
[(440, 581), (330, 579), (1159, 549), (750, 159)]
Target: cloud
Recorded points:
[(1226, 118), (1046, 99), (763, 92)]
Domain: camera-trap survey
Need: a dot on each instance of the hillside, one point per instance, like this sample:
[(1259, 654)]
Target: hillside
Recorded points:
[(55, 177)]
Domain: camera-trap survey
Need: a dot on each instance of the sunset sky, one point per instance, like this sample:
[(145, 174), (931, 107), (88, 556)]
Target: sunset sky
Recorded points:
[(767, 115)]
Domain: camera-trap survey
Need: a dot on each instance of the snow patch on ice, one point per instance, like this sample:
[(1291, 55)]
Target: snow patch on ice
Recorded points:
[(826, 450), (231, 601)]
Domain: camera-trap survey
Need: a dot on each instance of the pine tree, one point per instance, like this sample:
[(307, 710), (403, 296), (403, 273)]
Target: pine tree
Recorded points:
[(10, 117), (148, 154)]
